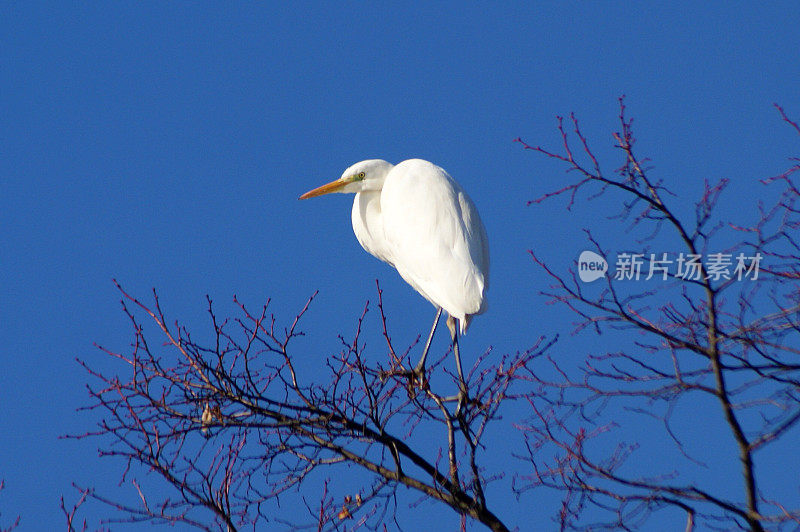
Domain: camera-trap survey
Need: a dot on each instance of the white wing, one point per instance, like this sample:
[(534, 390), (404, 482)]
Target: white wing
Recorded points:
[(436, 238), (368, 224)]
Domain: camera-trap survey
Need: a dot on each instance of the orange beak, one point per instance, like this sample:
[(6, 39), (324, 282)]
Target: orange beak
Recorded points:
[(333, 186)]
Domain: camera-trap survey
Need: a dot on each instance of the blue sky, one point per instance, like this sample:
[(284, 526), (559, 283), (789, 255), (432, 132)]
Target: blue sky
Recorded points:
[(165, 145)]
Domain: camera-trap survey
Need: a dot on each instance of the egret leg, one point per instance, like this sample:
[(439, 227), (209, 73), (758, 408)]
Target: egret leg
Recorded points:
[(420, 369), (452, 324)]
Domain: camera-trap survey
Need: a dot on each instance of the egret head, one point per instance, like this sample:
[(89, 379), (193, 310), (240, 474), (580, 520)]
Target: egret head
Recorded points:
[(366, 175)]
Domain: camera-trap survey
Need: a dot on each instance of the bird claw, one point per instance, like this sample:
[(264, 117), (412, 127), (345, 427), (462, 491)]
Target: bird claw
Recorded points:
[(417, 379), (463, 399)]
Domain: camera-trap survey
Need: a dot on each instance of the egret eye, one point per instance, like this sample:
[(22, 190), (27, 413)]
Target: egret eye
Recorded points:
[(361, 175)]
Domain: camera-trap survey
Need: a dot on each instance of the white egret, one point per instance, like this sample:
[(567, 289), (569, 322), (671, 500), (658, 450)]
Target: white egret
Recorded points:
[(415, 217)]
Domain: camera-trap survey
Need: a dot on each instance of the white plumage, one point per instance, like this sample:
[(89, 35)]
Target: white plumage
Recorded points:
[(414, 216)]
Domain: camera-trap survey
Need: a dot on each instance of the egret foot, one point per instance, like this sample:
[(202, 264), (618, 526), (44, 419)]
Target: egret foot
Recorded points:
[(417, 379), (416, 376), (463, 400)]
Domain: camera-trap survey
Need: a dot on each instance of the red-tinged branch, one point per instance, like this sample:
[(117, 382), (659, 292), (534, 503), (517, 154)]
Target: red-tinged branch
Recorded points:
[(13, 525), (786, 118)]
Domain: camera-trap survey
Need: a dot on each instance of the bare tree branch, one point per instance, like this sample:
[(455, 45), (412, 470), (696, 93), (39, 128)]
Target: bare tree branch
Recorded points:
[(233, 425), (709, 335)]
